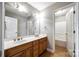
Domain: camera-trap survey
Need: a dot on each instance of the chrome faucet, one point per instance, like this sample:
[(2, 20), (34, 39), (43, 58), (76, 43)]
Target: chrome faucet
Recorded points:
[(18, 39)]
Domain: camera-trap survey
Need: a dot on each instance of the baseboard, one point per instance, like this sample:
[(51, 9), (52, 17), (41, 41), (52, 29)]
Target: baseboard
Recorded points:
[(69, 52), (50, 50), (60, 43)]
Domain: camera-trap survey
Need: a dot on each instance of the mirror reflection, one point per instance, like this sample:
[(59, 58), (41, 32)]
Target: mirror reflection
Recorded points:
[(20, 20)]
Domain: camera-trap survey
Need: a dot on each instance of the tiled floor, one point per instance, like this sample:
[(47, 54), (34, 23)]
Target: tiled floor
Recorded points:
[(60, 52)]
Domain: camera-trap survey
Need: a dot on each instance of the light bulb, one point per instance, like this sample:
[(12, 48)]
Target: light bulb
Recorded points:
[(22, 8)]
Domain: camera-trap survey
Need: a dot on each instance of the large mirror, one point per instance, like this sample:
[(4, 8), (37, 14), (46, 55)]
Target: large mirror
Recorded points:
[(10, 27), (18, 22)]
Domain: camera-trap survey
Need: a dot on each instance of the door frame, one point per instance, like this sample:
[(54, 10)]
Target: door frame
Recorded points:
[(73, 34), (3, 18), (70, 5), (76, 29)]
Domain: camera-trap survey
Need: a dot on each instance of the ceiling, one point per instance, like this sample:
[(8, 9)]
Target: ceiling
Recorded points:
[(41, 5), (62, 12), (33, 7), (11, 7)]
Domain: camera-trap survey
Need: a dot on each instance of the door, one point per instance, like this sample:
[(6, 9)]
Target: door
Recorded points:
[(10, 27), (70, 34)]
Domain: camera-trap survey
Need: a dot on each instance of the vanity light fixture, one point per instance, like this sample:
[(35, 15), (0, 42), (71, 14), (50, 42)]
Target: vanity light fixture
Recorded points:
[(16, 5), (21, 8)]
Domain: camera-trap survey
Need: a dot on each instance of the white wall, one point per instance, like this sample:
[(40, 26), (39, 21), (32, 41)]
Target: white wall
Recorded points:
[(0, 28), (60, 28), (46, 20)]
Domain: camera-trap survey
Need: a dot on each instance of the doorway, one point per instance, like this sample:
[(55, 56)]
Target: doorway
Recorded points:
[(64, 27)]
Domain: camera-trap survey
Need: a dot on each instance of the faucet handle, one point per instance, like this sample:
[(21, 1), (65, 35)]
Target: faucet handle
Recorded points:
[(14, 39)]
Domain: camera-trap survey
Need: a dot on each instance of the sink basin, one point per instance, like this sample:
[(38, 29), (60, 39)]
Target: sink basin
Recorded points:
[(20, 41)]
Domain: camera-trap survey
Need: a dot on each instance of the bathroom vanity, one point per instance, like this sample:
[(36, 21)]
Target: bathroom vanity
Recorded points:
[(29, 48)]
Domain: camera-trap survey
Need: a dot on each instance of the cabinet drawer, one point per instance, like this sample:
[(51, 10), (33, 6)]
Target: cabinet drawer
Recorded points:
[(43, 39), (20, 54), (15, 50)]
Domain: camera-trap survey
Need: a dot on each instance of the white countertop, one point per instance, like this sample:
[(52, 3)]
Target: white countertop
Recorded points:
[(11, 43)]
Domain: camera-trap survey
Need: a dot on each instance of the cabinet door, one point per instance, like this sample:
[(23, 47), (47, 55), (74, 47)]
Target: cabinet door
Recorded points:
[(42, 45), (45, 44), (28, 52), (40, 48), (35, 48), (35, 53), (20, 54)]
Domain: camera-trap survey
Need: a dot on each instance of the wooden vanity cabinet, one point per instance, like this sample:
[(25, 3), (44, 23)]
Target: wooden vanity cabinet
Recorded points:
[(28, 52), (45, 44), (42, 45), (20, 54), (25, 53), (35, 48), (21, 50), (31, 49)]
